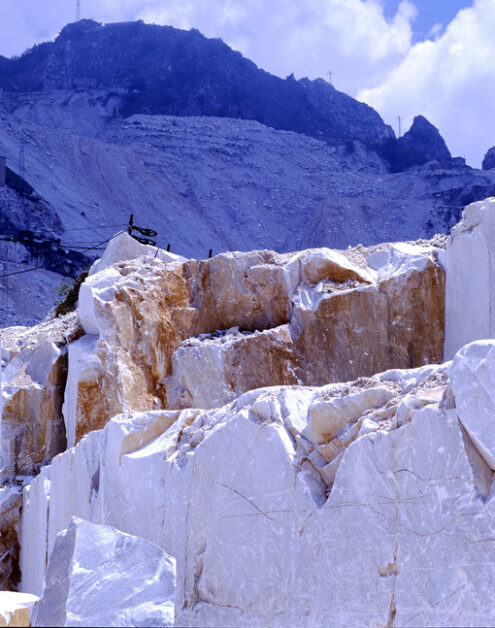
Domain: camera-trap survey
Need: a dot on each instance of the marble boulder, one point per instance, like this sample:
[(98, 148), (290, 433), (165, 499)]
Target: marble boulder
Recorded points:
[(99, 576)]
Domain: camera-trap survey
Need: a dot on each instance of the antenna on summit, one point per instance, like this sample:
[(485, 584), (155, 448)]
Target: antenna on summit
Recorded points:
[(78, 10)]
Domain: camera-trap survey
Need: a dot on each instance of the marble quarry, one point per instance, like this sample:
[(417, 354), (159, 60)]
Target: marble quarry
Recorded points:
[(257, 439)]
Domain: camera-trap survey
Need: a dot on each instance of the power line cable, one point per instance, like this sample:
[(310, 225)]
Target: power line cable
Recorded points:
[(57, 245), (20, 272), (88, 228), (60, 245), (90, 248), (28, 270)]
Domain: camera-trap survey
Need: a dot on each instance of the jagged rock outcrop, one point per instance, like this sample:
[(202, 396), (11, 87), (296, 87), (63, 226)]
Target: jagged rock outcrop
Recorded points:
[(16, 608), (315, 304), (489, 159), (98, 576), (33, 385), (469, 294), (420, 144)]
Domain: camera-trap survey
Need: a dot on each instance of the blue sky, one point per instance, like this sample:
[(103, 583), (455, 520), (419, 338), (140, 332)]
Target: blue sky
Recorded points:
[(430, 14), (403, 57)]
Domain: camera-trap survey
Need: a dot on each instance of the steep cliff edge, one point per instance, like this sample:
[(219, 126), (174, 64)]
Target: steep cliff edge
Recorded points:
[(206, 405)]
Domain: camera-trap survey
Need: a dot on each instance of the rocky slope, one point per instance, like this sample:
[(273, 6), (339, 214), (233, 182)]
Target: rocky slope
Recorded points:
[(30, 238), (204, 413)]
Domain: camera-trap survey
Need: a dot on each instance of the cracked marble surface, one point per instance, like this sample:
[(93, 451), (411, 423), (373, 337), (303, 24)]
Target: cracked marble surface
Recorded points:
[(398, 533)]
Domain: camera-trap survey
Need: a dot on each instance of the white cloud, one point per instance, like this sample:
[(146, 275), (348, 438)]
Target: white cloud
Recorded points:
[(451, 81)]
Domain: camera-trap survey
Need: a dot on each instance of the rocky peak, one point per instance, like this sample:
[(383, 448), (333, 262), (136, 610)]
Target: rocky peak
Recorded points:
[(420, 144), (489, 159), (78, 29)]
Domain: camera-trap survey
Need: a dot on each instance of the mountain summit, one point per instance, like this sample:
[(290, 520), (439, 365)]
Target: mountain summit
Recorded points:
[(422, 143), (164, 70)]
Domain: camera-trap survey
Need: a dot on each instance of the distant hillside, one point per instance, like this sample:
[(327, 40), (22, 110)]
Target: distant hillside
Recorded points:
[(163, 70)]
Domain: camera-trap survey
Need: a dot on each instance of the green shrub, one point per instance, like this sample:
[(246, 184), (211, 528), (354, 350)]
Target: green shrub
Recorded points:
[(67, 294)]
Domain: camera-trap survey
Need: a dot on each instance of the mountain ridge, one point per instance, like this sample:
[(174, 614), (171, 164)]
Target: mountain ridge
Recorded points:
[(169, 71)]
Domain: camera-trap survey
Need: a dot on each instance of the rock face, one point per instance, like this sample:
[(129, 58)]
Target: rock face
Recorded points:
[(10, 506), (420, 144), (301, 315), (98, 576), (489, 159), (473, 379), (33, 384), (260, 416), (305, 476), (235, 362), (32, 429), (470, 261)]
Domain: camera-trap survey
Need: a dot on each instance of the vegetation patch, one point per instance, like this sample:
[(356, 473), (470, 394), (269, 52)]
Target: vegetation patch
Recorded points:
[(69, 295)]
